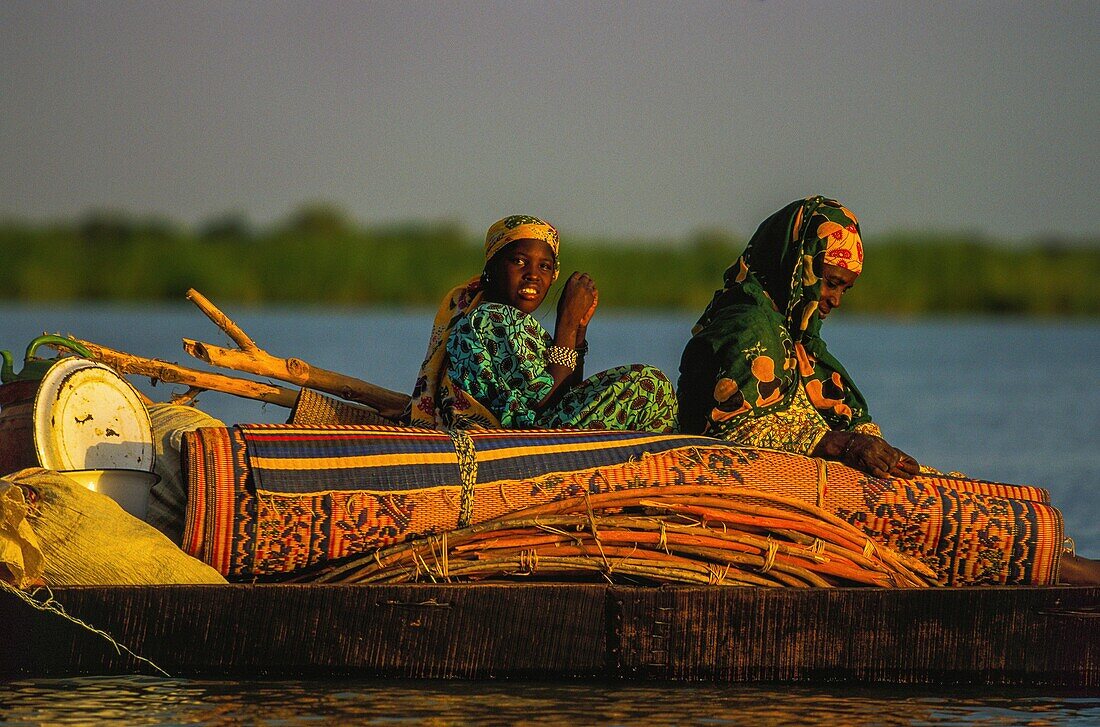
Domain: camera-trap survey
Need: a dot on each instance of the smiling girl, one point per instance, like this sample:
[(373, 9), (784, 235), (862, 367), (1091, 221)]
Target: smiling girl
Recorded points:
[(491, 364)]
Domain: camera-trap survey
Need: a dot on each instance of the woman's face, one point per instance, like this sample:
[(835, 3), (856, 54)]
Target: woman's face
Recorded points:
[(835, 282), (520, 275)]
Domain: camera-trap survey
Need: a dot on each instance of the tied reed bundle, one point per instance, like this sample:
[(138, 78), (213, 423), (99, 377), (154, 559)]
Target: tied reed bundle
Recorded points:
[(651, 535)]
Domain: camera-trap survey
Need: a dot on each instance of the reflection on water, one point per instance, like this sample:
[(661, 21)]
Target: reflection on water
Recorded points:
[(145, 700)]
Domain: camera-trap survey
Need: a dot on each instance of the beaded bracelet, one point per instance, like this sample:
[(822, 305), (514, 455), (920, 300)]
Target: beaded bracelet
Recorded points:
[(562, 356), (582, 351)]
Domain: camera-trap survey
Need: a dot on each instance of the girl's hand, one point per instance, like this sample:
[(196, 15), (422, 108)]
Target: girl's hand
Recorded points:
[(578, 301), (575, 308), (592, 309)]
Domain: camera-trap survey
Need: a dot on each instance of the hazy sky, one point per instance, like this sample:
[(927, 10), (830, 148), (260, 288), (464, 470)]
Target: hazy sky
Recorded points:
[(625, 119)]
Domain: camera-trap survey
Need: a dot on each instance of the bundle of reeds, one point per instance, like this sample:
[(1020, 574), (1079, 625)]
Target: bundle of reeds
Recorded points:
[(733, 536)]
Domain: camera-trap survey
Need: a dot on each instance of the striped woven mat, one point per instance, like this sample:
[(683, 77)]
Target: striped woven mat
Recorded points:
[(272, 499), (286, 459)]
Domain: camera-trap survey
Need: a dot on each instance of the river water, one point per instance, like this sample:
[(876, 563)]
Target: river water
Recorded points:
[(149, 701), (1001, 399)]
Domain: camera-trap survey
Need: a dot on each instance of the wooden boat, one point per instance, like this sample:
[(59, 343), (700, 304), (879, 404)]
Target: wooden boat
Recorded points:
[(1036, 636), (1016, 635)]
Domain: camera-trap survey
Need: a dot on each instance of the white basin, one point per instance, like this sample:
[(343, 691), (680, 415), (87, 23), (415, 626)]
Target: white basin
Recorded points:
[(129, 488)]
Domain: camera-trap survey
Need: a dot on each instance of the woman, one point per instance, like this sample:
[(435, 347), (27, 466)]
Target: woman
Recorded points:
[(491, 364), (757, 372)]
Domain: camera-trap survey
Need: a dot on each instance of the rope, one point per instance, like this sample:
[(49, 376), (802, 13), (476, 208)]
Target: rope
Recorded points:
[(52, 606), (714, 578), (529, 561), (769, 559), (467, 471), (595, 534)]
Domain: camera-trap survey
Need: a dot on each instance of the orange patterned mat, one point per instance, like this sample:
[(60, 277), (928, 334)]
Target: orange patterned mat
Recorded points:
[(968, 531)]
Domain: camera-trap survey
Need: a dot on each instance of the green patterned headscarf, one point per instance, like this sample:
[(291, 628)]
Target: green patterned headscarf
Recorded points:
[(761, 332)]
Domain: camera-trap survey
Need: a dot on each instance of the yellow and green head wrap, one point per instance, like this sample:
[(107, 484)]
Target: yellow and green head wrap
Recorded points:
[(434, 394), (520, 227)]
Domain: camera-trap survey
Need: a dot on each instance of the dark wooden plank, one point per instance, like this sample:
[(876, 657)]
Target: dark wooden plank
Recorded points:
[(1016, 635), (1027, 636), (420, 631)]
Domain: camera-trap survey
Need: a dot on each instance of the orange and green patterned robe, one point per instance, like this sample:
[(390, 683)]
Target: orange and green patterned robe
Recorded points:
[(756, 370)]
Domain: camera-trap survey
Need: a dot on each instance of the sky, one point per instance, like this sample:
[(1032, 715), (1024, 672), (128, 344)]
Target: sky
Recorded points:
[(631, 120)]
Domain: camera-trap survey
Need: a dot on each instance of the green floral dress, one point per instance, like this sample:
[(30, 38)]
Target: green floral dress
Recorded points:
[(497, 354)]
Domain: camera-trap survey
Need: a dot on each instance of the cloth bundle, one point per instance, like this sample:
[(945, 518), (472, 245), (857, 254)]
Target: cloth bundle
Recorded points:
[(56, 532)]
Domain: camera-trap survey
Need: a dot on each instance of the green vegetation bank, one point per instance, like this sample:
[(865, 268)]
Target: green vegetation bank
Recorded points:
[(318, 256)]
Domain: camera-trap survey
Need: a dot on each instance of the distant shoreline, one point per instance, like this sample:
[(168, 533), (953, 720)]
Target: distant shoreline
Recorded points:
[(320, 258)]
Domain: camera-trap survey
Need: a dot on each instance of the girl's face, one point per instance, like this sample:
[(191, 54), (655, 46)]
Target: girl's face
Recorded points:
[(520, 275)]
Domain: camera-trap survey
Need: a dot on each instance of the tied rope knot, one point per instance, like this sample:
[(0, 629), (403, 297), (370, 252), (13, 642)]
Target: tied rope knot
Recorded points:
[(769, 559), (528, 561)]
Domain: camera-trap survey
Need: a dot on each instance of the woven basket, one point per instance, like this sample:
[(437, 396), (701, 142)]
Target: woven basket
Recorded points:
[(313, 408)]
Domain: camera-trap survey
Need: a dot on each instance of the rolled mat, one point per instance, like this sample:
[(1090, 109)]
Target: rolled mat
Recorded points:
[(273, 499)]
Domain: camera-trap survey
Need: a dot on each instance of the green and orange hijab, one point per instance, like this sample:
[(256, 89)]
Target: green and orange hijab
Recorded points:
[(760, 336)]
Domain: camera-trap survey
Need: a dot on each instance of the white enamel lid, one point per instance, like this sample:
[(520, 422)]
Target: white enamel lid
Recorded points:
[(86, 416)]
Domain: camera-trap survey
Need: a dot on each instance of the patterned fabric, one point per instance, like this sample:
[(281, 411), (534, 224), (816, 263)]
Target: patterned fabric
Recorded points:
[(758, 343), (798, 428), (844, 247), (435, 396), (168, 498), (498, 354), (275, 499), (519, 227)]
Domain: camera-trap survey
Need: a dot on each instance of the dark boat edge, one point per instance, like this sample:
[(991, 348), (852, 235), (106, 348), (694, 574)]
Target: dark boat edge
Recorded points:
[(1034, 636)]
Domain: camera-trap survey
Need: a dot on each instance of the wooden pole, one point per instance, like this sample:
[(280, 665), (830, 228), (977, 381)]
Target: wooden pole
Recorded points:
[(170, 373), (222, 321), (250, 358)]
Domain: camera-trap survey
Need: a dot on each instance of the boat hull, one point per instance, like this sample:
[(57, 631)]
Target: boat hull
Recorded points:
[(1040, 636)]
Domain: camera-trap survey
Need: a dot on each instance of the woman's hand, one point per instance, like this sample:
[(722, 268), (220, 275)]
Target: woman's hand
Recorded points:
[(867, 453), (578, 301)]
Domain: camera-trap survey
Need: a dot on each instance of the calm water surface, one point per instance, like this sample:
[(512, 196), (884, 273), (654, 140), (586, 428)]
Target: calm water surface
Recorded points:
[(1006, 400), (143, 700)]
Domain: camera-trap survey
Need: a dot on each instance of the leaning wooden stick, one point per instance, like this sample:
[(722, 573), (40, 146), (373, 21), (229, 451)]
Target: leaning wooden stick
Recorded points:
[(250, 358), (169, 373)]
